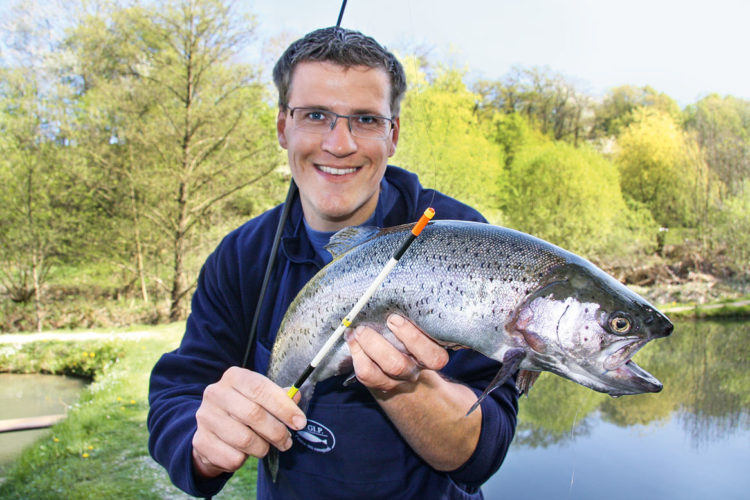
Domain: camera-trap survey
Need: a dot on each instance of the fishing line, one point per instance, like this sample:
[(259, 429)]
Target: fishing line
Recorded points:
[(572, 438)]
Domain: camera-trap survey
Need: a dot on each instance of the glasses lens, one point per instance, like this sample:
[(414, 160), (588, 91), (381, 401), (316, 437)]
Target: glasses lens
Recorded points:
[(313, 120), (369, 126)]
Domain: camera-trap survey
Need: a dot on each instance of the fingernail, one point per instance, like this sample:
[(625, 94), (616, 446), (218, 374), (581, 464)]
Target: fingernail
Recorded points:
[(395, 320), (299, 422)]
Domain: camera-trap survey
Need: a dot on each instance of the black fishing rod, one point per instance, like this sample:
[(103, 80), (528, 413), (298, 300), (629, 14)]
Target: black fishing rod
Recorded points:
[(275, 246)]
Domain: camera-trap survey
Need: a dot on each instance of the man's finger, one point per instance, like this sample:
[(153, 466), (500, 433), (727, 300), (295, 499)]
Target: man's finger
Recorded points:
[(388, 358), (426, 351), (272, 398)]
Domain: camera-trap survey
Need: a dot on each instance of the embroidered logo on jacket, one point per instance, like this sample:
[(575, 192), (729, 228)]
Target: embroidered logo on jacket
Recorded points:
[(316, 436)]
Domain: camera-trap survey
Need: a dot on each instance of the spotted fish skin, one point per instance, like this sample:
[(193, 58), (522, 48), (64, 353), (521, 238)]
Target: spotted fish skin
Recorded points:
[(508, 295)]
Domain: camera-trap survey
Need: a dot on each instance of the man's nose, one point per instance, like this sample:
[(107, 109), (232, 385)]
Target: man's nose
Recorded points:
[(339, 140)]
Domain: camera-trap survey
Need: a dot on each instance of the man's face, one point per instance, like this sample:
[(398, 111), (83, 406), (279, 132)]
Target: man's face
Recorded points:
[(338, 175)]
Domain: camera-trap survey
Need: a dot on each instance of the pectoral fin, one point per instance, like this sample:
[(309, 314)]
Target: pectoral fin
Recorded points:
[(511, 361)]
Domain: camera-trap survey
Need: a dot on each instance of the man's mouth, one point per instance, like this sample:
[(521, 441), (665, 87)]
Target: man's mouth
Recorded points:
[(336, 171)]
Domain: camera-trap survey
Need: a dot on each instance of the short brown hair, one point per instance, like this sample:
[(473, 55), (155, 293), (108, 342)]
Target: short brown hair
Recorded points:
[(343, 47)]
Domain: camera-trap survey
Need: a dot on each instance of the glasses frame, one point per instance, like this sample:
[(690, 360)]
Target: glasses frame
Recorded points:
[(348, 121)]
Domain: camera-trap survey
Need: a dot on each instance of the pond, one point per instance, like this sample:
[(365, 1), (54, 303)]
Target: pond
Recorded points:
[(32, 396), (692, 440)]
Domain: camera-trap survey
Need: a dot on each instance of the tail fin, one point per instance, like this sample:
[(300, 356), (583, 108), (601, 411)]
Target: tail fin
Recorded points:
[(271, 461)]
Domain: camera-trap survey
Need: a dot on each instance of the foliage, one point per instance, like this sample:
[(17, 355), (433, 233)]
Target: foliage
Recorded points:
[(512, 132), (722, 129), (731, 225), (569, 196), (134, 136), (43, 212), (547, 99), (441, 141), (618, 109), (181, 126), (661, 168), (61, 358)]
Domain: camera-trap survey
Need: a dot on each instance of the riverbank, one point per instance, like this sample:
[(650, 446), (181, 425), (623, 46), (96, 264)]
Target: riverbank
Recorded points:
[(700, 298), (100, 449)]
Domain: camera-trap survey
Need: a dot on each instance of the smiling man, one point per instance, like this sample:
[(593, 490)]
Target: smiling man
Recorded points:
[(401, 432)]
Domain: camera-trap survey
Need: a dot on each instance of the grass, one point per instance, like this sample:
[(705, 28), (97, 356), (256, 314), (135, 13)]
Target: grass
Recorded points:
[(726, 309), (100, 449)]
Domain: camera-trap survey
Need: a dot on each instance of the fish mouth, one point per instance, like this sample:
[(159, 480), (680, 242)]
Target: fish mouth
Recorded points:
[(622, 351), (631, 378), (639, 380)]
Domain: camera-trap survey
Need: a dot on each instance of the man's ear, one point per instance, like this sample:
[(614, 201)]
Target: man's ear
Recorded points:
[(281, 128), (394, 136)]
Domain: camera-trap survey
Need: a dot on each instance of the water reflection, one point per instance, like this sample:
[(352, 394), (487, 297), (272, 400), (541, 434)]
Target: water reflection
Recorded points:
[(701, 420), (30, 396)]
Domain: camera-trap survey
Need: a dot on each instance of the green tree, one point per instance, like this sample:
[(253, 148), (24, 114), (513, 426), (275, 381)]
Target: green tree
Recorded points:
[(569, 196), (616, 111), (43, 213), (441, 140), (190, 126), (548, 100), (662, 168), (512, 132), (731, 233), (722, 130)]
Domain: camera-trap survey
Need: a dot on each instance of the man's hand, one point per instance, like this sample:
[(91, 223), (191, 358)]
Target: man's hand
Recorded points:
[(242, 415), (381, 366), (428, 410)]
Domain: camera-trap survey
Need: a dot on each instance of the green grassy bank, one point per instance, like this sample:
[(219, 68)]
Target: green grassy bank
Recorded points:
[(100, 449)]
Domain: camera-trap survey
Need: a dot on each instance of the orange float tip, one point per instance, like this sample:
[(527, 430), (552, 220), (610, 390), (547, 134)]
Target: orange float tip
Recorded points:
[(422, 222)]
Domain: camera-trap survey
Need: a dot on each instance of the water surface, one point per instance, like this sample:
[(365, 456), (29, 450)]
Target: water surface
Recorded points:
[(690, 441), (32, 396)]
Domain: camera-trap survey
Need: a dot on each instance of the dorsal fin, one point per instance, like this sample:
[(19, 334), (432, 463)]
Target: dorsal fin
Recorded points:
[(350, 237)]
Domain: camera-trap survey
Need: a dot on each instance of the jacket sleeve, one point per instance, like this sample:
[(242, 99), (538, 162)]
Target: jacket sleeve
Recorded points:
[(212, 343), (499, 413)]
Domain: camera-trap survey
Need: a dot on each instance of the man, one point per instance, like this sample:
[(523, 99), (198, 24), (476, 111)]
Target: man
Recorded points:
[(401, 432)]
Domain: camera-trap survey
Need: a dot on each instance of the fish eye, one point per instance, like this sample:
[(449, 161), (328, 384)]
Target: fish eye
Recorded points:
[(620, 323)]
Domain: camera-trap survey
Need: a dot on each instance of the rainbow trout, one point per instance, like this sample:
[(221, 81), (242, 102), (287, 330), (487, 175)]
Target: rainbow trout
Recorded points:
[(512, 297)]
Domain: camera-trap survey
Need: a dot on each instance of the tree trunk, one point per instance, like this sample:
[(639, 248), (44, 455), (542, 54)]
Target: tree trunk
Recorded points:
[(138, 247), (176, 310), (37, 290)]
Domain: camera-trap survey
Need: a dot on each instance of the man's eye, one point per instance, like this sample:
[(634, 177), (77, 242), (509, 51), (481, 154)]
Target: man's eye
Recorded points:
[(315, 116), (367, 119)]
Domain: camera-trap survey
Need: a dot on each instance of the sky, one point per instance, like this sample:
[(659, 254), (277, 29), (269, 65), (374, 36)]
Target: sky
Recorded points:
[(686, 49)]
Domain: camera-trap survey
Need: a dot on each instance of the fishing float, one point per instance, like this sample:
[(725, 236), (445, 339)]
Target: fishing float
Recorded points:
[(349, 318)]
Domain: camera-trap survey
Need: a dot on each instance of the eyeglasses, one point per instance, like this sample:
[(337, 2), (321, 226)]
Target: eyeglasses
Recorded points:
[(320, 121)]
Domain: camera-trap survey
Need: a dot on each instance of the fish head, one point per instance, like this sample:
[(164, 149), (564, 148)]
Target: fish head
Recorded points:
[(586, 326)]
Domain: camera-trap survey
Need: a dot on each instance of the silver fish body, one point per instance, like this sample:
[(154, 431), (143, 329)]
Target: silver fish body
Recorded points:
[(510, 296)]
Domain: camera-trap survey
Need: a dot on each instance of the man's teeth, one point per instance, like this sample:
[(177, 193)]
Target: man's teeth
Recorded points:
[(337, 171)]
